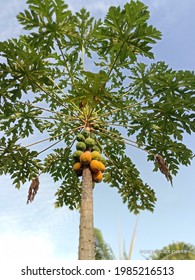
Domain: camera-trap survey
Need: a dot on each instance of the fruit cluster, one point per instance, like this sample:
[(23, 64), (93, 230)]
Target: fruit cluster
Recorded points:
[(88, 154)]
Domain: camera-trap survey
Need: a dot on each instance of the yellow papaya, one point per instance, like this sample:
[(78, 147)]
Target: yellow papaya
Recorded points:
[(77, 166), (95, 166), (85, 158), (97, 177), (102, 167), (95, 155)]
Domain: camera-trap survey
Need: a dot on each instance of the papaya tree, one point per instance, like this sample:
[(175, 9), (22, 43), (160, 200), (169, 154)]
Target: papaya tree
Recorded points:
[(74, 85)]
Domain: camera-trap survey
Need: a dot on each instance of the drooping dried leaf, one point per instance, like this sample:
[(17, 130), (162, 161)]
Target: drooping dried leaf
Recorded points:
[(162, 165), (33, 189)]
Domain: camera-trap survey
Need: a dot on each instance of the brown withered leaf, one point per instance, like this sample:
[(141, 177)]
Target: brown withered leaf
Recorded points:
[(162, 165), (33, 189)]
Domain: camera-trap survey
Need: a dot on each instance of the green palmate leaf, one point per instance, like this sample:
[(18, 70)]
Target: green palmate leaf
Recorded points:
[(92, 90), (112, 141), (166, 113), (126, 178), (20, 120), (175, 154), (122, 173), (23, 66), (18, 161), (69, 193), (85, 26), (59, 165), (126, 33), (45, 15), (51, 21)]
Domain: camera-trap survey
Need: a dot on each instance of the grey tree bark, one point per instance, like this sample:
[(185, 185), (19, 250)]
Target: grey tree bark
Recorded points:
[(86, 236)]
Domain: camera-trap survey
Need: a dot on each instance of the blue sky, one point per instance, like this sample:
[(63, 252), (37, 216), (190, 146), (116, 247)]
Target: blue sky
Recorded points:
[(40, 230)]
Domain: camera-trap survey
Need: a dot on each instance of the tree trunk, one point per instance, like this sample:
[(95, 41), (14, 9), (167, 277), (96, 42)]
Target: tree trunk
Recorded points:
[(86, 236)]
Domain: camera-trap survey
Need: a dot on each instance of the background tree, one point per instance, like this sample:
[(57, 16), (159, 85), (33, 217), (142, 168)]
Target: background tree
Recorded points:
[(103, 251), (175, 251), (71, 73)]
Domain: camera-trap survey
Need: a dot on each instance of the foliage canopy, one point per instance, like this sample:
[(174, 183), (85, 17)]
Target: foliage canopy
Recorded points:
[(69, 71), (175, 251)]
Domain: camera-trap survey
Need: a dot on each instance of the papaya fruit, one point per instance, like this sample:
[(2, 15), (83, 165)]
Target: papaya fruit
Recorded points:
[(85, 158), (102, 167), (86, 133), (103, 160), (80, 137), (95, 148), (81, 146), (95, 166), (76, 155), (97, 177), (77, 166), (95, 155), (96, 126), (92, 135), (90, 142)]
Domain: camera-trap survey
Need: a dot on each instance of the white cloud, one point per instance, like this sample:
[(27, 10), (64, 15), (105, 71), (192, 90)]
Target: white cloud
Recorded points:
[(19, 250), (37, 230), (17, 242), (27, 247), (8, 22), (168, 12)]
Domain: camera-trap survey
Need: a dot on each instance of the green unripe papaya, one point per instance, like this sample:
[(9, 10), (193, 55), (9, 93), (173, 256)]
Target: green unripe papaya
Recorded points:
[(92, 135), (81, 146), (95, 148), (86, 133), (96, 126), (80, 137), (103, 160), (76, 155), (90, 142)]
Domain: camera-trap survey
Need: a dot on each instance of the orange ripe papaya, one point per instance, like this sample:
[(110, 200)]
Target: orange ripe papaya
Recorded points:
[(97, 177), (85, 158), (102, 167), (95, 165), (77, 166)]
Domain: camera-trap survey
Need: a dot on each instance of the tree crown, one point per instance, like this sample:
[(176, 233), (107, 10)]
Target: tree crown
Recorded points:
[(72, 72)]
